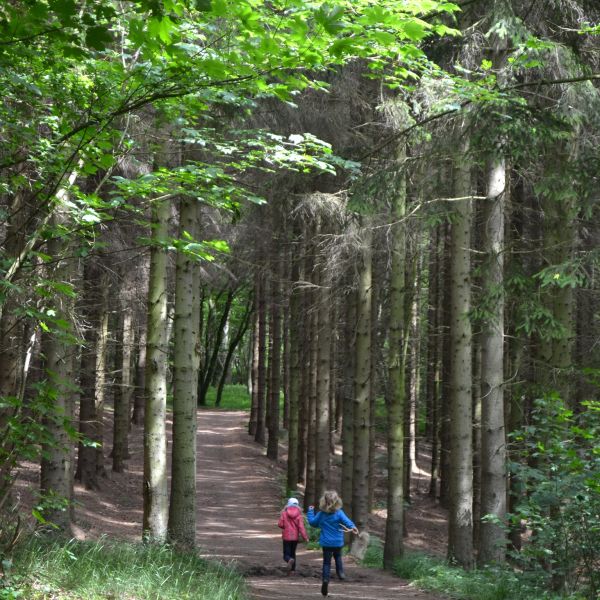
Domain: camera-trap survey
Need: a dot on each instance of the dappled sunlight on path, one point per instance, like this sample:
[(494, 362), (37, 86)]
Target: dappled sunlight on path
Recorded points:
[(239, 499)]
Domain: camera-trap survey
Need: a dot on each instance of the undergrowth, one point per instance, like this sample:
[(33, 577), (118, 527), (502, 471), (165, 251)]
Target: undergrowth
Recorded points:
[(102, 569), (235, 397), (436, 575)]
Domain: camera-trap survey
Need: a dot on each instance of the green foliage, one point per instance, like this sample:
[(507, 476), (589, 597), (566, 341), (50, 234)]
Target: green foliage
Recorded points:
[(92, 570), (374, 555), (235, 397), (560, 471), (434, 574)]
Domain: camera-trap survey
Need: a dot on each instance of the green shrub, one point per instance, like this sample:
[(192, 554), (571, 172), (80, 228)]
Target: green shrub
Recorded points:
[(560, 473)]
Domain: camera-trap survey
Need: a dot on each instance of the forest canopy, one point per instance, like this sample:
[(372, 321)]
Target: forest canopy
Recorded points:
[(379, 217)]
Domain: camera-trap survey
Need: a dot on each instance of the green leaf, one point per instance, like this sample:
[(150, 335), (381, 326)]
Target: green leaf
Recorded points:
[(98, 37), (415, 29)]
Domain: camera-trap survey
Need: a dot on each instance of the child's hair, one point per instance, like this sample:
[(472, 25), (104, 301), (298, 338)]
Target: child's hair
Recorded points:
[(330, 502)]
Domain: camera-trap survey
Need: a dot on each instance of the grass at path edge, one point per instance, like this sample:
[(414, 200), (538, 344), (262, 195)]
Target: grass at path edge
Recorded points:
[(433, 574), (105, 569)]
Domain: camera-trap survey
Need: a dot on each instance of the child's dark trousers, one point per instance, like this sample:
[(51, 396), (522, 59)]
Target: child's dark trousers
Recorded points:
[(339, 565), (289, 551)]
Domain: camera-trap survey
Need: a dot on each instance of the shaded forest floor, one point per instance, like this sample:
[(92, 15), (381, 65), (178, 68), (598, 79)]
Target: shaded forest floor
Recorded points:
[(239, 499)]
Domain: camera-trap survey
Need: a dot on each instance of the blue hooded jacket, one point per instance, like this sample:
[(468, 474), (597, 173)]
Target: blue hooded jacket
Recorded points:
[(332, 535)]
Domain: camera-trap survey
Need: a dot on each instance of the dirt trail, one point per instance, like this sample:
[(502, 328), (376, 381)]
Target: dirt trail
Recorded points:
[(238, 506), (239, 499)]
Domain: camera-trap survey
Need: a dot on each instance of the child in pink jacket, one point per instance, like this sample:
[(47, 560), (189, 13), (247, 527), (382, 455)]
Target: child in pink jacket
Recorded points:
[(292, 523)]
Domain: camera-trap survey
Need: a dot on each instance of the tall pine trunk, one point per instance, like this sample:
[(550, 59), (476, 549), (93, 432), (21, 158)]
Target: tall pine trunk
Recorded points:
[(261, 373), (122, 412), (274, 355), (393, 548), (57, 466), (323, 383), (362, 375), (295, 375), (253, 421), (347, 391), (186, 362), (155, 434), (492, 542), (460, 533)]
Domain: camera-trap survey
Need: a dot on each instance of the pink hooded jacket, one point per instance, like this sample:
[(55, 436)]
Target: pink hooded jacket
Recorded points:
[(292, 523)]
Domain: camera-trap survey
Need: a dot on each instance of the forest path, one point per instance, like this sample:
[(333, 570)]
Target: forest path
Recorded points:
[(239, 499)]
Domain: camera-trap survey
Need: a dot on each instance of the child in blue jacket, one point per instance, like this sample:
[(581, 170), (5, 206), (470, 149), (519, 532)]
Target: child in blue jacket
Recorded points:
[(333, 522)]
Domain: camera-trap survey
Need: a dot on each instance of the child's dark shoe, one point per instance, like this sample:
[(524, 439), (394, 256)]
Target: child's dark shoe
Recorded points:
[(324, 587), (341, 576), (290, 567)]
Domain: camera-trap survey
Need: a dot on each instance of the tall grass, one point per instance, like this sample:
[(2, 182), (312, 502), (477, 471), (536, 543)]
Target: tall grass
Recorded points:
[(102, 569), (235, 397)]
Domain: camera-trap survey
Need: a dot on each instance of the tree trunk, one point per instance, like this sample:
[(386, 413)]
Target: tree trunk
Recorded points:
[(95, 342), (140, 377), (407, 369), (101, 372), (492, 540), (233, 344), (310, 493), (122, 413), (56, 471), (295, 316), (375, 293), (323, 365), (362, 425), (155, 435), (460, 533), (260, 434), (253, 422), (446, 364), (286, 350), (275, 356), (186, 362), (348, 400), (432, 402), (210, 367), (397, 340)]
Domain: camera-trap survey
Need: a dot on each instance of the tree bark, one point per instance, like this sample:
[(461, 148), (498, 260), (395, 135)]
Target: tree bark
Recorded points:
[(432, 381), (186, 362), (275, 356), (140, 376), (492, 540), (460, 532), (210, 367), (155, 436), (323, 383), (260, 434), (56, 468), (360, 475), (253, 422), (295, 316), (348, 400), (122, 412), (233, 344), (397, 339)]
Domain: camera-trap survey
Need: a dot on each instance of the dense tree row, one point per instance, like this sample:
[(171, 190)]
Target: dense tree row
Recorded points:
[(353, 208)]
